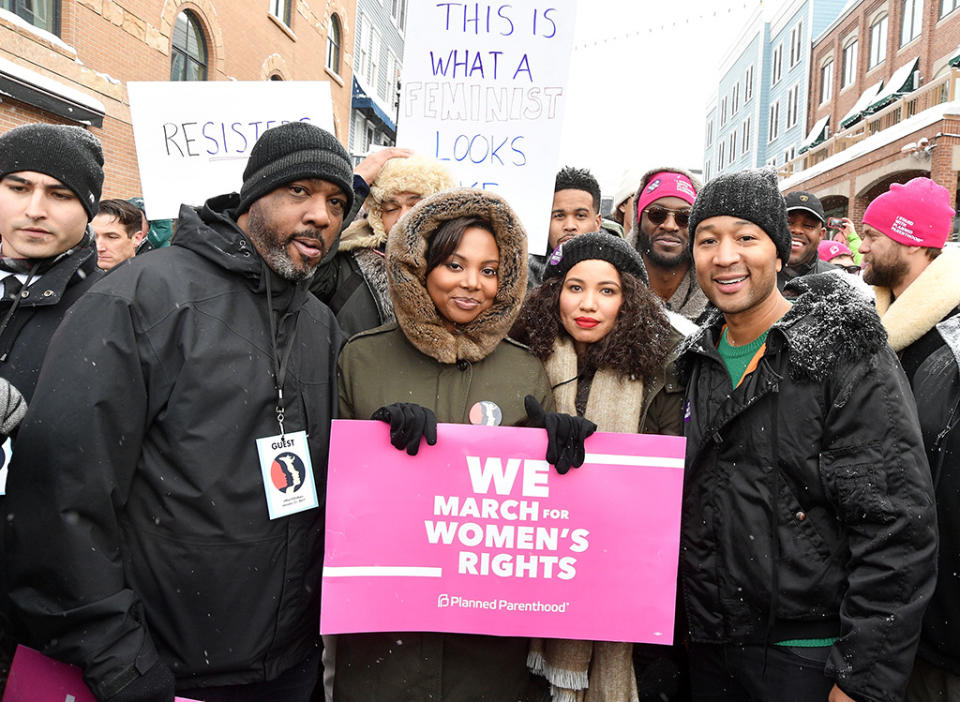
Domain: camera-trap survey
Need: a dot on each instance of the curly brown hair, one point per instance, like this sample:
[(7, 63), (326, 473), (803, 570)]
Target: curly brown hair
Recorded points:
[(637, 345)]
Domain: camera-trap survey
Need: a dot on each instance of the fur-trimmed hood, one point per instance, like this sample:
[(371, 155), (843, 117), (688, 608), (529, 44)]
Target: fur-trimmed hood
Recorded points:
[(925, 302), (631, 236), (407, 265), (416, 174), (827, 323)]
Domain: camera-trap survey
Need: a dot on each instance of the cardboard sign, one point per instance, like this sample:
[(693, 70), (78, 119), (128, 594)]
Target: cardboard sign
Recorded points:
[(483, 90), (36, 678), (193, 138), (478, 534)]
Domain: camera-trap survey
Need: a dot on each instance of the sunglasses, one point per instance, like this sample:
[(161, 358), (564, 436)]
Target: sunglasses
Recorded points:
[(851, 269), (658, 215)]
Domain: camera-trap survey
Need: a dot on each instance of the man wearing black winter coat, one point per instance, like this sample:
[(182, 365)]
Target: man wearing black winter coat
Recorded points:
[(142, 546), (808, 539)]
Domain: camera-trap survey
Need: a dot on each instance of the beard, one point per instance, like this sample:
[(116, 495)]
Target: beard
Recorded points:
[(272, 247), (678, 260), (885, 274)]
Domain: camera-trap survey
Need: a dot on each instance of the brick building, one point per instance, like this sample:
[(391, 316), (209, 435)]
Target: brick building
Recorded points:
[(68, 61), (884, 103)]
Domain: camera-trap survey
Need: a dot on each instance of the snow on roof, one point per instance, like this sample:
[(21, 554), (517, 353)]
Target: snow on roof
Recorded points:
[(897, 80), (863, 102), (815, 132), (54, 87), (872, 143), (36, 31)]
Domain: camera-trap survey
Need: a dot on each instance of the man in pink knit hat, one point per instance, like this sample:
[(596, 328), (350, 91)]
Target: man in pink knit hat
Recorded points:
[(916, 283)]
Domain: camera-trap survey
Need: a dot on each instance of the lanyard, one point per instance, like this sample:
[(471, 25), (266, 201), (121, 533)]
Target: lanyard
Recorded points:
[(279, 364)]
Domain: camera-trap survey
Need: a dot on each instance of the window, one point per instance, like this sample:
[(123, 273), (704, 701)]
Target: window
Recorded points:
[(826, 82), (706, 171), (745, 141), (796, 44), (43, 14), (776, 65), (793, 99), (878, 42), (733, 146), (774, 126), (948, 6), (748, 84), (772, 161), (789, 154), (911, 20), (389, 90), (735, 99), (720, 154), (333, 44), (710, 133), (849, 64), (398, 12), (189, 51), (723, 111), (281, 10), (362, 52), (373, 62)]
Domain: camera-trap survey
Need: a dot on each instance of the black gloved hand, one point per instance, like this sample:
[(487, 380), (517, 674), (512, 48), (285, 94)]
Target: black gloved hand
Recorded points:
[(156, 685), (409, 423), (565, 434)]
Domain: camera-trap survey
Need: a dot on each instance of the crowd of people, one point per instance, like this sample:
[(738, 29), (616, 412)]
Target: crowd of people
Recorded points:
[(813, 371)]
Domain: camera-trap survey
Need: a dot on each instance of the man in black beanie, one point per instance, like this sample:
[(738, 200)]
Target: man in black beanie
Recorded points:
[(808, 537), (166, 496), (50, 181)]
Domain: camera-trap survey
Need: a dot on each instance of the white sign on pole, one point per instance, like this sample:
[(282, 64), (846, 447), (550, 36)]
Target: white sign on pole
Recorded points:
[(194, 137), (483, 90)]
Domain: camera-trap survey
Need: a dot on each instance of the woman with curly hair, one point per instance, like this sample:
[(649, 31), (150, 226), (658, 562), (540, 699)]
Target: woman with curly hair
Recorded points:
[(608, 346)]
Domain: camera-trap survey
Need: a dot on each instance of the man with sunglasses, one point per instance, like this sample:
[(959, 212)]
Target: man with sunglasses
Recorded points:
[(661, 236), (807, 224)]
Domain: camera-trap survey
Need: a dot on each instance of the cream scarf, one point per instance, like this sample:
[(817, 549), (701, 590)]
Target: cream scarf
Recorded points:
[(589, 671)]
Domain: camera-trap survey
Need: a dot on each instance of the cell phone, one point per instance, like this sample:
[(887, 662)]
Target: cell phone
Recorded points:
[(834, 222)]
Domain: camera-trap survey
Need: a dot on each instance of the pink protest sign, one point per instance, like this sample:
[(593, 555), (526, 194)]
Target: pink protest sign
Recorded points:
[(478, 534), (36, 678)]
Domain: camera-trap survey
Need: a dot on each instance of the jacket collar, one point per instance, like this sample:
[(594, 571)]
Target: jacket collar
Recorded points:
[(927, 300), (68, 268)]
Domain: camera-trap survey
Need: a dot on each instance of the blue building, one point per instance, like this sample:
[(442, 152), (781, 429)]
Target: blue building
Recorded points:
[(377, 57), (761, 107)]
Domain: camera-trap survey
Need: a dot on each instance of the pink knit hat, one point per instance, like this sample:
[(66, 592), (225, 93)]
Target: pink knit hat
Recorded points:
[(665, 184), (915, 214), (828, 250)]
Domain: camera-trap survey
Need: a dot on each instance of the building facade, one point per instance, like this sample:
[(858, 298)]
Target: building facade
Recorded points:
[(887, 103), (762, 93), (68, 61), (377, 57)]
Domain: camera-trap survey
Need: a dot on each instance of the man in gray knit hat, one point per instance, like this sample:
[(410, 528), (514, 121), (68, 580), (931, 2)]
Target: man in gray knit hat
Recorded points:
[(166, 496), (808, 538)]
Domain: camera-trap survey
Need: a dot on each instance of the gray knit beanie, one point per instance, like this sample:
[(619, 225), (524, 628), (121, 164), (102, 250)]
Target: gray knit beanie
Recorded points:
[(291, 152), (754, 195), (72, 155), (595, 246)]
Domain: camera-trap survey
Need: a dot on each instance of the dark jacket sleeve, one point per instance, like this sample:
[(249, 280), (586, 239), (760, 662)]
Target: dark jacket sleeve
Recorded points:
[(875, 473), (73, 464)]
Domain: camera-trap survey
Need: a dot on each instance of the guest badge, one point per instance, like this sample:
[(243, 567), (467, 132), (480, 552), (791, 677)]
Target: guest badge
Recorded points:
[(287, 474)]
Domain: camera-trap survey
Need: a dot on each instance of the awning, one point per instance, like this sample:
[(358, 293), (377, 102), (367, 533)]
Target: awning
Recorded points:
[(955, 61), (816, 136), (372, 109), (32, 88), (866, 98), (900, 83)]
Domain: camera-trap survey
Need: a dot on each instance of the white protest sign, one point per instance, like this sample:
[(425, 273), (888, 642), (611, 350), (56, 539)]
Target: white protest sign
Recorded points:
[(483, 90), (194, 137)]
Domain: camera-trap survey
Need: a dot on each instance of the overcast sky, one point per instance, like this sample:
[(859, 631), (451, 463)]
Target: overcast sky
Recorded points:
[(640, 100)]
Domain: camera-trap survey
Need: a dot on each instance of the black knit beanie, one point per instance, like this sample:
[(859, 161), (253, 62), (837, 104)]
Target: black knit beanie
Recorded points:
[(595, 246), (754, 195), (72, 155), (291, 152)]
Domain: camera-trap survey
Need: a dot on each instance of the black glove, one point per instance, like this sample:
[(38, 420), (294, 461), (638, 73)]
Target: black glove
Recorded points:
[(565, 434), (409, 423), (156, 685)]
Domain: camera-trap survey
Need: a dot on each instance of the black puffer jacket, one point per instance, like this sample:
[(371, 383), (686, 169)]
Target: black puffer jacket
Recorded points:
[(808, 506), (936, 386), (136, 503)]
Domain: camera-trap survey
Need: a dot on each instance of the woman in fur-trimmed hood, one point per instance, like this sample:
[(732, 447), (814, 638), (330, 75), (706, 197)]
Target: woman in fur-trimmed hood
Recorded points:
[(446, 352), (608, 346), (358, 290)]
